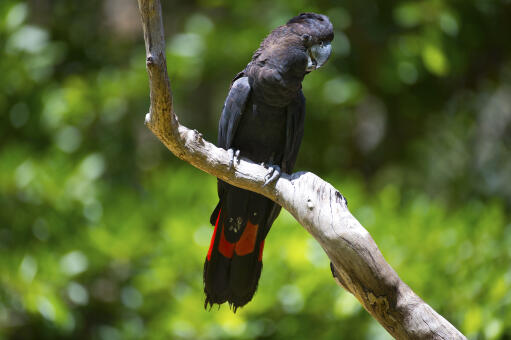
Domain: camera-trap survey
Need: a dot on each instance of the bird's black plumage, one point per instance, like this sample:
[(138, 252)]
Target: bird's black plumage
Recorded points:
[(263, 117)]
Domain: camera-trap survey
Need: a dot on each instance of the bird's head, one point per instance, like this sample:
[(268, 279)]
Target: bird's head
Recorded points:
[(286, 55), (316, 32)]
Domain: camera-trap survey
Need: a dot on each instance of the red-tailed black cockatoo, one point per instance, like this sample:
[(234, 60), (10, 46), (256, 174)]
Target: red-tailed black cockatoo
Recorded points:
[(262, 120)]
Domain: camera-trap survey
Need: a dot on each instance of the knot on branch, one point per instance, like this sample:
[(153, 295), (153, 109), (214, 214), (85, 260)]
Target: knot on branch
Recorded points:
[(310, 205), (149, 60), (380, 304), (339, 198), (198, 137)]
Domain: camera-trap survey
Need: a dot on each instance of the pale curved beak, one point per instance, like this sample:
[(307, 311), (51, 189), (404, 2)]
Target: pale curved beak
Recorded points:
[(318, 55)]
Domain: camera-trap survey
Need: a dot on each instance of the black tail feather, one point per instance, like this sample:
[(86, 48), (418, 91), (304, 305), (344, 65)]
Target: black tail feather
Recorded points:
[(231, 279)]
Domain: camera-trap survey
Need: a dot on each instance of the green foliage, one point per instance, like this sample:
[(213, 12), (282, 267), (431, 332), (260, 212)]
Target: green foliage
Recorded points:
[(103, 233)]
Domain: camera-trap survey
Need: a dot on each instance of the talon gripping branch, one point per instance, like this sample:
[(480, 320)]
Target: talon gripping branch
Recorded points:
[(263, 117)]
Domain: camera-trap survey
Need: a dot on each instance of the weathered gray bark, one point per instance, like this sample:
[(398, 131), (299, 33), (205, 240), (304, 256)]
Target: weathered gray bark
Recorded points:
[(359, 265)]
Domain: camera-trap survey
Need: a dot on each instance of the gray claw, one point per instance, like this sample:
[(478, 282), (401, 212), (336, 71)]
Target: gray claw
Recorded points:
[(234, 157), (272, 175)]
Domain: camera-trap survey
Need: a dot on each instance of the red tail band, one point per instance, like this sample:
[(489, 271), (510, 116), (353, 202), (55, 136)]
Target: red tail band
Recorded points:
[(213, 237)]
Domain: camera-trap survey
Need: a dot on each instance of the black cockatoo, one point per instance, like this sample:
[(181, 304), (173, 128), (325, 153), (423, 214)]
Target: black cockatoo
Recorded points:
[(262, 120)]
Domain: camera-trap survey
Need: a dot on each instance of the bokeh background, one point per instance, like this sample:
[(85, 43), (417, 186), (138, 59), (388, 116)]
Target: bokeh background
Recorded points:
[(103, 232)]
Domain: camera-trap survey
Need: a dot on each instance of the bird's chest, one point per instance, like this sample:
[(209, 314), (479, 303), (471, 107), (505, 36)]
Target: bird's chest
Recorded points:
[(261, 135)]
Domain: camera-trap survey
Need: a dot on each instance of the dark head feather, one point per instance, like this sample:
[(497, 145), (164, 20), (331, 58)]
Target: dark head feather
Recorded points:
[(280, 63), (318, 26)]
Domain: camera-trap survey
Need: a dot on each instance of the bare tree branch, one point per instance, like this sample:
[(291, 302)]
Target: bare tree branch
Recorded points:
[(359, 265)]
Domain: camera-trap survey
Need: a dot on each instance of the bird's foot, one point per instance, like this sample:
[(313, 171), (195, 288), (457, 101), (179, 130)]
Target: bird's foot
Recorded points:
[(273, 174), (234, 157)]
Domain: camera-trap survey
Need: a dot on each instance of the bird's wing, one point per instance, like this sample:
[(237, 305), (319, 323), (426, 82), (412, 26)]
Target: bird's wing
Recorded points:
[(234, 106), (233, 109), (294, 133)]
